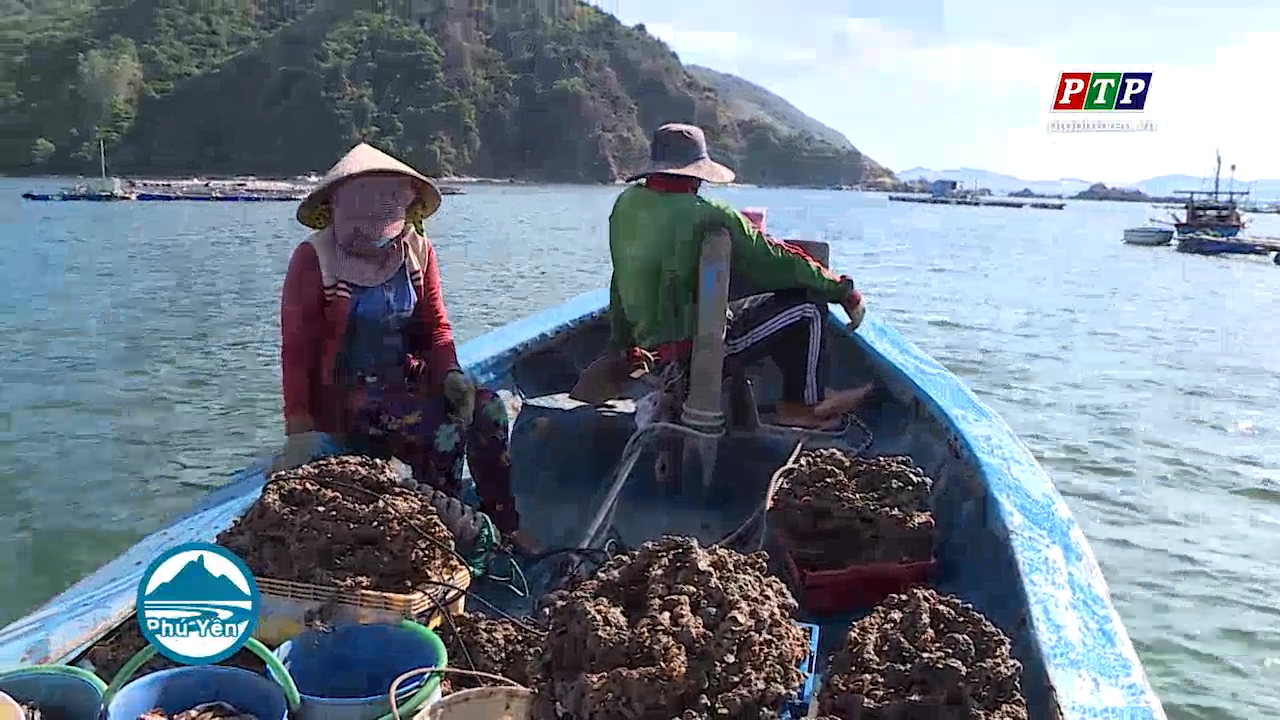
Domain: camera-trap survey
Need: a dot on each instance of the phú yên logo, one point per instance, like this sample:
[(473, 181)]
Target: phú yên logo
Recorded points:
[(197, 604), (1102, 91)]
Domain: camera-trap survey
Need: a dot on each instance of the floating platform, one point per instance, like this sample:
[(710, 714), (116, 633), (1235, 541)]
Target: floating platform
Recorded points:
[(181, 197), (155, 197), (975, 202), (164, 197)]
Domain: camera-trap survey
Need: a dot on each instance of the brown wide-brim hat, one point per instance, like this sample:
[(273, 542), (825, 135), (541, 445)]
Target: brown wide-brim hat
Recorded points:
[(363, 159), (681, 149)]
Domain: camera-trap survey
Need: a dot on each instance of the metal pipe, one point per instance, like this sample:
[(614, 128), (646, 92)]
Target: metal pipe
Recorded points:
[(703, 409), (702, 416)]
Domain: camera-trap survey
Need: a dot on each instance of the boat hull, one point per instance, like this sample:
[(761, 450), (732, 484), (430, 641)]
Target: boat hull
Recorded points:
[(1148, 236), (1210, 245), (1008, 542), (1197, 228)]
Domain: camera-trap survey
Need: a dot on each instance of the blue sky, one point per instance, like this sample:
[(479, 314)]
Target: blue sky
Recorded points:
[(968, 83)]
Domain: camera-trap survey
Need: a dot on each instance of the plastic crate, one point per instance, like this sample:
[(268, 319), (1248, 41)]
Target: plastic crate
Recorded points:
[(286, 605), (826, 593), (799, 707)]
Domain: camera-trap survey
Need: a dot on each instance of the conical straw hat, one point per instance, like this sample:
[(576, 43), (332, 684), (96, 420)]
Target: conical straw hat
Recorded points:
[(361, 160)]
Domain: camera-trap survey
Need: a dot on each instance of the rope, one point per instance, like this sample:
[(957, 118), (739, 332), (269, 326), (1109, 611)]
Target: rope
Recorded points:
[(868, 440), (627, 461), (761, 512), (395, 684)]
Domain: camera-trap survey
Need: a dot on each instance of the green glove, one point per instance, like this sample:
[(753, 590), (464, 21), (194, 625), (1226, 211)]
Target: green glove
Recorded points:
[(460, 392)]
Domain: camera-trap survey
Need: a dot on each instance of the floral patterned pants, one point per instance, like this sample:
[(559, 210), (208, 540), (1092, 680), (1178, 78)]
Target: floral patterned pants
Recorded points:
[(420, 432)]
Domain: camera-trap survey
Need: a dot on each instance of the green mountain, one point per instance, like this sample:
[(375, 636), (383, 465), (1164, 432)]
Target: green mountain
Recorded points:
[(748, 101), (509, 89)]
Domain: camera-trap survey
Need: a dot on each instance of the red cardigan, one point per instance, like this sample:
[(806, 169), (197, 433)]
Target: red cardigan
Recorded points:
[(314, 307)]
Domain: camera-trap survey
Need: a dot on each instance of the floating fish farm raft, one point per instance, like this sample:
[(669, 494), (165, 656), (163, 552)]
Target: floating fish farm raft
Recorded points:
[(116, 190), (977, 202)]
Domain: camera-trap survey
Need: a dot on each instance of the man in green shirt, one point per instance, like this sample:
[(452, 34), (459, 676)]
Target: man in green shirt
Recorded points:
[(655, 240)]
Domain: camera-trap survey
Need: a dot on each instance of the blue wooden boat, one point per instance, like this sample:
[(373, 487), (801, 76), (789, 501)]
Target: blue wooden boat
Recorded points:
[(1008, 543)]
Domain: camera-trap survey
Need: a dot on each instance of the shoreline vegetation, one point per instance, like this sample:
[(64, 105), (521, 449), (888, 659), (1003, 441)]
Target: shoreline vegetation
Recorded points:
[(558, 92), (203, 183)]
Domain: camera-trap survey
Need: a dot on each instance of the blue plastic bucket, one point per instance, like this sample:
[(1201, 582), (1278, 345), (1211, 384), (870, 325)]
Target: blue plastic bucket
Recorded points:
[(180, 689), (345, 673), (61, 690)]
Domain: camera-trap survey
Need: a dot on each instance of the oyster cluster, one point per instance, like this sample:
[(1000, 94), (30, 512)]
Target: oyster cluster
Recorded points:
[(834, 510), (344, 522), (672, 630), (204, 711), (923, 654), (498, 646)]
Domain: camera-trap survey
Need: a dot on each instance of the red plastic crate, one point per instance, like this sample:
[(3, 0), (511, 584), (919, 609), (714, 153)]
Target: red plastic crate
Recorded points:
[(826, 593)]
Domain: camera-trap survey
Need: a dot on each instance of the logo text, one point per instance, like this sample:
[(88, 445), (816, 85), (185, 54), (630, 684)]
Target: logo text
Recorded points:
[(1102, 91)]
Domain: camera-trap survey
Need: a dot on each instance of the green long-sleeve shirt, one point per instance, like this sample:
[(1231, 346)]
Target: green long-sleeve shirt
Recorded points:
[(655, 241)]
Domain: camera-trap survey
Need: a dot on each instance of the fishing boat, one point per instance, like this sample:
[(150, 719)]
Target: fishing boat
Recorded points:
[(1008, 543), (78, 193), (1213, 212), (100, 189), (97, 190), (1149, 236)]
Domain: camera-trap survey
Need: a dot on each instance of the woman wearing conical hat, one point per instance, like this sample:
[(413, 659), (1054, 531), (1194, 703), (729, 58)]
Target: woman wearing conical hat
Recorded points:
[(367, 351)]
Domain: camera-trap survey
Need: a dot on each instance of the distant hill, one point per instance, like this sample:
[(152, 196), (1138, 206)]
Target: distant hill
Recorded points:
[(1167, 184), (747, 101), (998, 182), (195, 582), (1161, 186)]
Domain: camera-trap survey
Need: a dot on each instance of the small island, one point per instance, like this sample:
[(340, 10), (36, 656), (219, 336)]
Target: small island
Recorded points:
[(1029, 193), (1099, 191)]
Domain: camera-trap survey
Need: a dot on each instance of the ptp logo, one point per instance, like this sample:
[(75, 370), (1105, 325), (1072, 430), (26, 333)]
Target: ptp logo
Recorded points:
[(1102, 91)]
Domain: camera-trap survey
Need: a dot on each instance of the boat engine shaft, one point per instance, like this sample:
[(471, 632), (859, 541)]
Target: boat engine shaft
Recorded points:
[(702, 416)]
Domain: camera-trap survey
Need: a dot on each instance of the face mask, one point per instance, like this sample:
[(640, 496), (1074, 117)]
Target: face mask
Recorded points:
[(383, 242)]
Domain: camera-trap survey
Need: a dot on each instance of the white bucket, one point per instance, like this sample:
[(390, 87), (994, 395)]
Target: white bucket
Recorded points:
[(10, 709), (486, 703)]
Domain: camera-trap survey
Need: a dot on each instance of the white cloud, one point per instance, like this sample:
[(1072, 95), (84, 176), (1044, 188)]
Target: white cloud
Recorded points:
[(716, 43), (983, 104), (881, 48), (1198, 108)]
